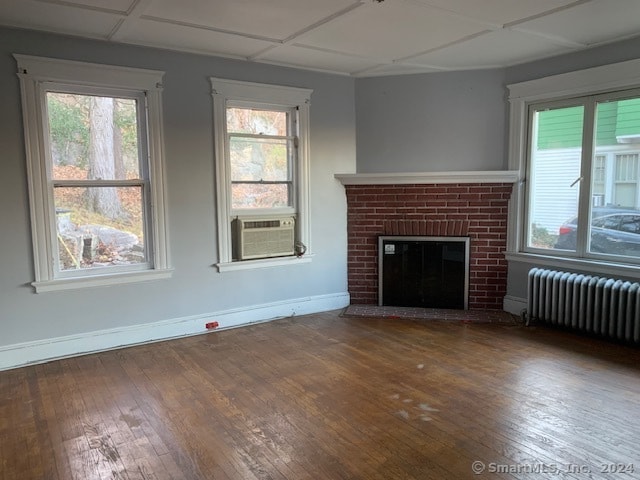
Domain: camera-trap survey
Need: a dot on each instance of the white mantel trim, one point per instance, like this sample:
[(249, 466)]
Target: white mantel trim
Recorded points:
[(421, 178)]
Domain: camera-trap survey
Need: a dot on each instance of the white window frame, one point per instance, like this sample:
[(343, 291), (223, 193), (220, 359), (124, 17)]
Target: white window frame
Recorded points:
[(233, 92), (592, 81), (36, 74)]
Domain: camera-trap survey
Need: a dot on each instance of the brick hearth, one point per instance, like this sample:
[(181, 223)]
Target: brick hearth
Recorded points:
[(476, 210)]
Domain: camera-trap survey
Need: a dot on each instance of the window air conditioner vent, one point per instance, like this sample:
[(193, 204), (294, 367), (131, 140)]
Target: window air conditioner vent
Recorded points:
[(265, 237), (261, 224)]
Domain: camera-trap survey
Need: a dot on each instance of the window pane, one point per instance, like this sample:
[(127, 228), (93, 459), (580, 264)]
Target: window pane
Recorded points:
[(555, 157), (260, 196), (99, 226), (615, 186), (255, 159), (258, 122), (93, 137)]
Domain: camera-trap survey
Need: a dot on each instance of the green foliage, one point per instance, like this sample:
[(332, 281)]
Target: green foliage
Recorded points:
[(541, 238), (124, 118), (69, 132)]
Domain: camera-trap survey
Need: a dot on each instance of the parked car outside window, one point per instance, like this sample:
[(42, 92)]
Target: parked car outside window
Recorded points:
[(614, 231)]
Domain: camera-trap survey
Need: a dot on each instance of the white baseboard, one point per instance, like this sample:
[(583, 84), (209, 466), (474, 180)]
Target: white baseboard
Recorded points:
[(514, 305), (41, 351)]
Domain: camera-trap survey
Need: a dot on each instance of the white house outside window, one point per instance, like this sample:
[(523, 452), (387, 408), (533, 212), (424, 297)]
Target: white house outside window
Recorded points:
[(93, 135)]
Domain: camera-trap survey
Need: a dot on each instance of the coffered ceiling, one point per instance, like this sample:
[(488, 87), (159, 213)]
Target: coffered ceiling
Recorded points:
[(358, 38)]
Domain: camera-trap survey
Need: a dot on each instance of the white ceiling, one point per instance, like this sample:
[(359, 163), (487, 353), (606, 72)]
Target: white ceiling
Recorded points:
[(358, 38)]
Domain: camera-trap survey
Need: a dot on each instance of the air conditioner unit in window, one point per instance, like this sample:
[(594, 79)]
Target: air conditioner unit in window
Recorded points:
[(263, 237)]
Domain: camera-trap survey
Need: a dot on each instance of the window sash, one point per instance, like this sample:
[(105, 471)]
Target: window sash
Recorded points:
[(82, 250), (142, 129)]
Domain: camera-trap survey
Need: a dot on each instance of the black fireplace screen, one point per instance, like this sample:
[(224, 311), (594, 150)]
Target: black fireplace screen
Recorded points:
[(431, 272)]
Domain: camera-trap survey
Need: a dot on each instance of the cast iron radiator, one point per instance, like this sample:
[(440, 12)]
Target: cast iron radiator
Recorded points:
[(597, 305)]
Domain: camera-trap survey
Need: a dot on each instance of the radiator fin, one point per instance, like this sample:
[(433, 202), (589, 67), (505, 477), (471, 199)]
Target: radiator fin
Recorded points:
[(601, 306)]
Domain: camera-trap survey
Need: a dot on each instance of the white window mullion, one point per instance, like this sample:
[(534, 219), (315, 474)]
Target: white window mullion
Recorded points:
[(584, 200)]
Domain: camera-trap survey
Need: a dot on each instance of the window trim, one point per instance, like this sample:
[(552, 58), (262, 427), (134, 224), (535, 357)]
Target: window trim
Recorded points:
[(226, 91), (34, 73), (591, 81)]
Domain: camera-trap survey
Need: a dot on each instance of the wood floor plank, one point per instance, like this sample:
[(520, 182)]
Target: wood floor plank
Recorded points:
[(329, 397), (277, 458)]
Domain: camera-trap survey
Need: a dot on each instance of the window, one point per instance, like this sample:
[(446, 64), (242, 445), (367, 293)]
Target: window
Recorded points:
[(568, 179), (262, 172), (575, 139), (95, 172)]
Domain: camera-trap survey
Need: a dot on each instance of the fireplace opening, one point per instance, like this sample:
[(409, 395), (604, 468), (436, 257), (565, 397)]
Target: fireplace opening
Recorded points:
[(428, 272)]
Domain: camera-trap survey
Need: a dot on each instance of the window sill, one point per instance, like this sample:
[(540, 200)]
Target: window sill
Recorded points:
[(588, 266), (263, 263), (100, 280)]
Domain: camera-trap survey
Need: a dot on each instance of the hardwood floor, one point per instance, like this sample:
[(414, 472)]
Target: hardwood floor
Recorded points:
[(328, 397)]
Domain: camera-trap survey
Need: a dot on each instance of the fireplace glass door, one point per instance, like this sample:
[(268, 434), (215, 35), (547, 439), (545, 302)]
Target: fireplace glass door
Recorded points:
[(430, 272)]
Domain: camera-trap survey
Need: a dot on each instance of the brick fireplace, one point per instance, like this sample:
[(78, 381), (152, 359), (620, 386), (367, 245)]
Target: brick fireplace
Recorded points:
[(476, 205)]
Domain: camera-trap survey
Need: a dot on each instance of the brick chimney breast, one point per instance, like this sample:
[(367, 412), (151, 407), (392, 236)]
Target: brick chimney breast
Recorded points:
[(476, 210)]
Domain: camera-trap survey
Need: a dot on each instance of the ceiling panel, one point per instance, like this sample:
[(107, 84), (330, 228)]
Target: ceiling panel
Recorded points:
[(498, 12), (121, 6), (57, 18), (391, 30), (311, 58), (494, 49), (192, 39), (357, 37), (276, 19), (591, 23)]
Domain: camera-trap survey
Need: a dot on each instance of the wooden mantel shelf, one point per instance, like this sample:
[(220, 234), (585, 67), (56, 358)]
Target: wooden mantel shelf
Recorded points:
[(425, 178)]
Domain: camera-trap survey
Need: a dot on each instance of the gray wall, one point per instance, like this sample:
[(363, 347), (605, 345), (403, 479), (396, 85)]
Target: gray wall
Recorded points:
[(431, 122), (455, 121), (196, 287), (594, 57)]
